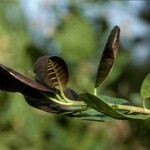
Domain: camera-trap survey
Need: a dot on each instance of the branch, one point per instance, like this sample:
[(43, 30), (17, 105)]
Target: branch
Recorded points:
[(131, 108)]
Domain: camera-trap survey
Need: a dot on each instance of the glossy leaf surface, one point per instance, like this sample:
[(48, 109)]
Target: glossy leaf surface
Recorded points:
[(108, 56), (52, 71)]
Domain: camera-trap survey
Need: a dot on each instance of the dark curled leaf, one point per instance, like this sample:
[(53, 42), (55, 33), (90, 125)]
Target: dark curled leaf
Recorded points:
[(71, 94), (108, 56), (38, 100), (102, 106), (34, 93), (52, 71), (13, 81)]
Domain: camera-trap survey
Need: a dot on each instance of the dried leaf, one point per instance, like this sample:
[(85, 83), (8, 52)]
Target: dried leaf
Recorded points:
[(13, 81), (108, 56), (52, 71)]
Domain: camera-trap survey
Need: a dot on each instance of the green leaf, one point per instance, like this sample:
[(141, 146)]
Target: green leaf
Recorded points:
[(102, 105), (113, 100), (92, 115), (145, 88), (72, 41), (52, 71), (108, 56)]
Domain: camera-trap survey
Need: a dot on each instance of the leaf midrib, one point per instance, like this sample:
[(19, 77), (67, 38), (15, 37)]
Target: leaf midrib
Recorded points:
[(59, 82)]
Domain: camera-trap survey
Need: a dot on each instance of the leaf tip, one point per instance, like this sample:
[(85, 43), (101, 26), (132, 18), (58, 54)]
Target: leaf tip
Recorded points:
[(113, 40), (108, 56)]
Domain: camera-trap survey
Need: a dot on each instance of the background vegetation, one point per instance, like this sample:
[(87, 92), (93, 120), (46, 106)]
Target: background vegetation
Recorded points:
[(77, 31)]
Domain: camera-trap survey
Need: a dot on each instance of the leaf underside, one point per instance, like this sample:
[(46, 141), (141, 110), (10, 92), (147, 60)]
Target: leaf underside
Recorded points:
[(52, 71), (102, 105), (145, 89), (108, 56), (13, 81)]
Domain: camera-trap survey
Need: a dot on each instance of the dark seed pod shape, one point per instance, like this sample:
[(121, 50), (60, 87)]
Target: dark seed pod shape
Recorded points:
[(108, 56), (52, 72)]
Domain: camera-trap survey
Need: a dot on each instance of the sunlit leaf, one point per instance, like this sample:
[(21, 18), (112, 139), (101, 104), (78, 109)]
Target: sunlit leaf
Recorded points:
[(102, 105), (108, 56), (52, 71), (145, 89), (13, 81)]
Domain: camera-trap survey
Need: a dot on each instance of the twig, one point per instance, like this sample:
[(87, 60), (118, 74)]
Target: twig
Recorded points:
[(133, 109)]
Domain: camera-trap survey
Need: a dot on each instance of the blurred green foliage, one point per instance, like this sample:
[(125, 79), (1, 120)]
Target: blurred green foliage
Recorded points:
[(26, 128), (73, 29)]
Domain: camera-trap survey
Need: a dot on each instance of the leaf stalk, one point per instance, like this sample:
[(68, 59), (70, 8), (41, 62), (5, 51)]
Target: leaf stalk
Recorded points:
[(132, 109)]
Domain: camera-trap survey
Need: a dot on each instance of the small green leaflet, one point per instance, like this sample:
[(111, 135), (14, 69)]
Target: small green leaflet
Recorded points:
[(145, 88)]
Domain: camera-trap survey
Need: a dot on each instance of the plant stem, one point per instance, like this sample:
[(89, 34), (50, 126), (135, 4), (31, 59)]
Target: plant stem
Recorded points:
[(71, 103), (82, 105), (95, 91), (64, 97), (133, 109), (59, 98), (143, 103)]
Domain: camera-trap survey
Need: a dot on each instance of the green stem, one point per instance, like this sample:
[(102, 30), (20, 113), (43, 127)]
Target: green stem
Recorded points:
[(95, 91), (70, 103), (83, 106), (59, 97), (133, 109), (143, 103), (64, 97)]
